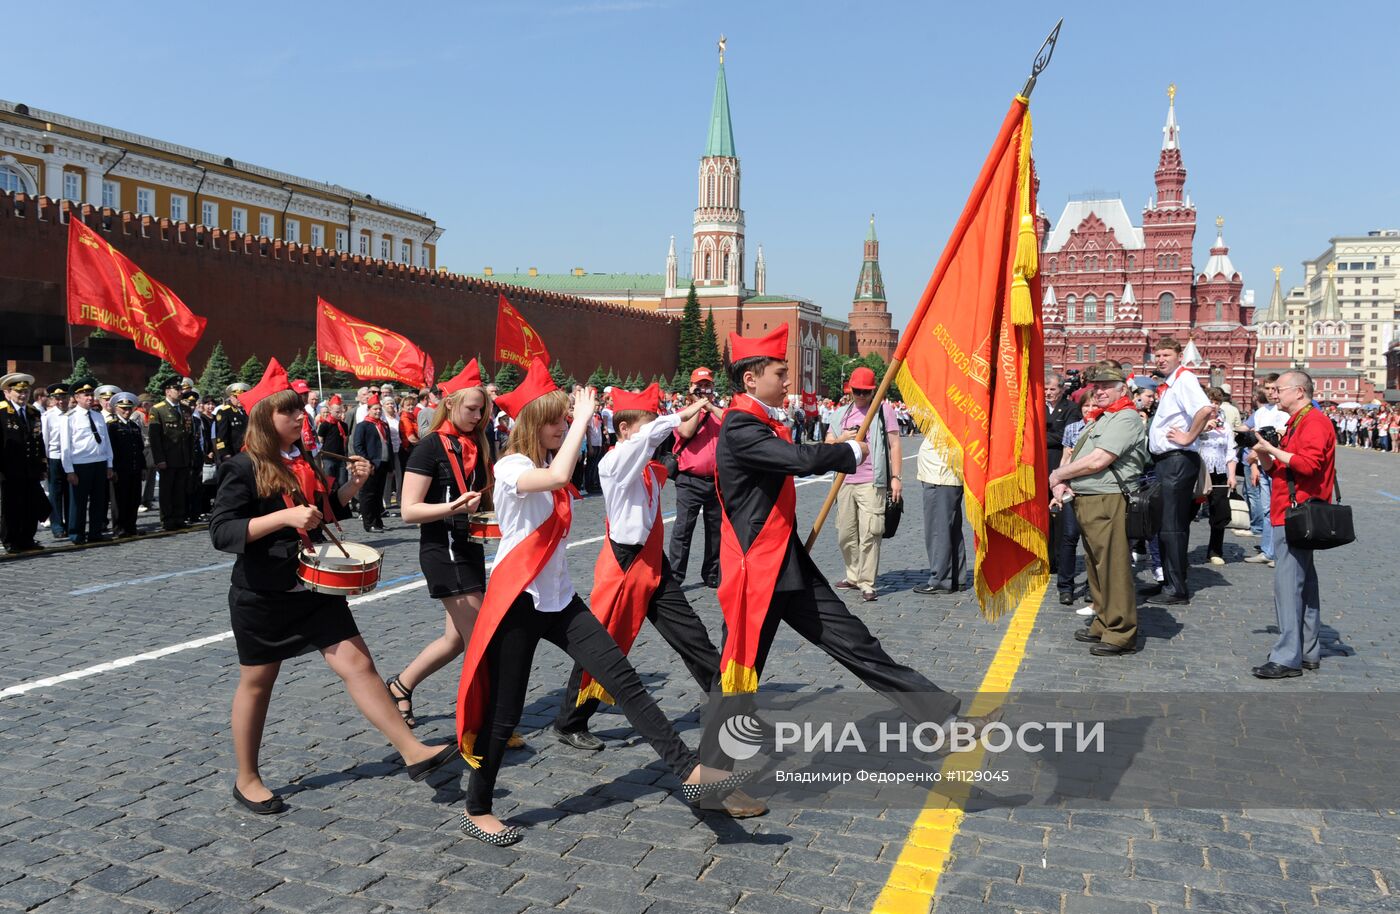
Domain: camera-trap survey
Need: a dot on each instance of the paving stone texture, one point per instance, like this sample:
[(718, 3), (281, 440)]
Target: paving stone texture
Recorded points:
[(115, 788)]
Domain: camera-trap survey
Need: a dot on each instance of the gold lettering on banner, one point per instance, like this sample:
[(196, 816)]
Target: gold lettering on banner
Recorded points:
[(966, 404), (974, 366)]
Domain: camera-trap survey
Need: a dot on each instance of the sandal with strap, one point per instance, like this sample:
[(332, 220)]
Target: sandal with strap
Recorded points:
[(405, 695)]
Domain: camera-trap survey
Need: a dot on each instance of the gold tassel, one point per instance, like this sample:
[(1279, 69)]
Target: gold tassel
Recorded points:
[(738, 678), (594, 690), (1021, 312), (467, 744), (1027, 262)]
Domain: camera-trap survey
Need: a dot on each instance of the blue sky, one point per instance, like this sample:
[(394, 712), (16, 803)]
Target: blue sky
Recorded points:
[(566, 134)]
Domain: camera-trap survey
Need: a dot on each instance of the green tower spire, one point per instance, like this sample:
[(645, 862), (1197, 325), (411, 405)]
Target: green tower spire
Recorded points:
[(721, 138)]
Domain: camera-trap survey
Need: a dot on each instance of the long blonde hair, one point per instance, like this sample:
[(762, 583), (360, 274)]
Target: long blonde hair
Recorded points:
[(442, 414), (525, 434), (264, 446)]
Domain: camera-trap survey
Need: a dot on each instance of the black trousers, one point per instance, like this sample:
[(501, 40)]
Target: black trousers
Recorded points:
[(372, 495), (818, 615), (694, 494), (590, 473), (21, 506), (58, 498), (578, 633), (1178, 472), (126, 490), (1067, 559), (194, 494), (174, 496), (1219, 512), (672, 615), (87, 501)]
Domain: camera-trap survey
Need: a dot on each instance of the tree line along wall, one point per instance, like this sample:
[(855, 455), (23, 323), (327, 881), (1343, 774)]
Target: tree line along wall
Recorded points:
[(259, 297)]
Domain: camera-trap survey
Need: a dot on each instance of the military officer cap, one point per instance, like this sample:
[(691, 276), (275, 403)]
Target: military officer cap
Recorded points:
[(189, 395), (125, 398), (58, 389), (171, 384), (187, 383), (16, 379), (106, 390), (85, 385), (237, 387)]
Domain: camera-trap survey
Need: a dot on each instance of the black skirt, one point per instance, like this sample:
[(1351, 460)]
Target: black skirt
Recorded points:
[(459, 570), (269, 626)]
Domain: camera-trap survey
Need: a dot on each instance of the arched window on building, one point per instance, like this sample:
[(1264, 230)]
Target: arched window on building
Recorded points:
[(1108, 308), (1093, 264), (710, 191), (1054, 264), (1159, 261), (1219, 311), (726, 266), (1069, 309), (1071, 264), (1079, 353), (11, 181), (1091, 309), (1166, 307), (1336, 350), (1093, 352), (707, 266), (1131, 261)]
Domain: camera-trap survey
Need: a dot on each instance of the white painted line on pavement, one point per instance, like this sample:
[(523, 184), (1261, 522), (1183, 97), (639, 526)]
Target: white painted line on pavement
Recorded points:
[(98, 588)]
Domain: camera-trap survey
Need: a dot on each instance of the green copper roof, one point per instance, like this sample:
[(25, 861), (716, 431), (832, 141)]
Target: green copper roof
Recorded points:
[(721, 140), (587, 284)]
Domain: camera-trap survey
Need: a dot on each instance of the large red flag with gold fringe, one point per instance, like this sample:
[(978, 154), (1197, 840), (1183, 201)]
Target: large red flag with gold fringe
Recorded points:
[(973, 369), (107, 290)]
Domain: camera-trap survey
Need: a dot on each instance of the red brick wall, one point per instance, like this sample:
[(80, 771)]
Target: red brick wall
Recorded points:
[(260, 298)]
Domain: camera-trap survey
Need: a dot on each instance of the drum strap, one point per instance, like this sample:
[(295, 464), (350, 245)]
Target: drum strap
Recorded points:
[(456, 460)]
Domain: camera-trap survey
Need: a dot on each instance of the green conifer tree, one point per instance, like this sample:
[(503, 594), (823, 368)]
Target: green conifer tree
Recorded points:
[(557, 375), (508, 377), (251, 371), (156, 386), (688, 354), (709, 355), (218, 373), (81, 371)]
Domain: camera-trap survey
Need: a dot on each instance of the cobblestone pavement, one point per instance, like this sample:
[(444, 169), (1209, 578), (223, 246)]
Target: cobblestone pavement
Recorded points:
[(114, 787)]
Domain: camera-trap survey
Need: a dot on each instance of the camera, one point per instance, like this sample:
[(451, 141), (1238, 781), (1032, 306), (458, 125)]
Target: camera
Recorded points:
[(1250, 437)]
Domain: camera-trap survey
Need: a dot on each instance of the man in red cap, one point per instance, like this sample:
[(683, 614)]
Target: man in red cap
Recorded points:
[(766, 576), (860, 506), (696, 438)]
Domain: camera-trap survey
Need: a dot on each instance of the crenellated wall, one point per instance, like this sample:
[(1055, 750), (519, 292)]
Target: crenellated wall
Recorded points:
[(260, 295)]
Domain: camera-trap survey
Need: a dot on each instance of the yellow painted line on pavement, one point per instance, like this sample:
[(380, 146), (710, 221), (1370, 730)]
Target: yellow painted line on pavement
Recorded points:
[(914, 879)]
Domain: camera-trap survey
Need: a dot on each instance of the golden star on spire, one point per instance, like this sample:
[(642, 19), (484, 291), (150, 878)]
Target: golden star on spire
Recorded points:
[(1278, 271), (1171, 93), (722, 43), (1220, 222)]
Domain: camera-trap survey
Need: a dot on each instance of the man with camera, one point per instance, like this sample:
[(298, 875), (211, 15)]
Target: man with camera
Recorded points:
[(1107, 459), (696, 440), (1269, 423), (1305, 455)]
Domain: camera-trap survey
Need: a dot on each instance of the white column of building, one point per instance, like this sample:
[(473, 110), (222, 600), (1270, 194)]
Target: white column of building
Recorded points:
[(92, 185), (53, 176)]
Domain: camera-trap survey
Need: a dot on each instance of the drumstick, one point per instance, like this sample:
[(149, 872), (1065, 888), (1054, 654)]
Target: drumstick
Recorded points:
[(324, 528)]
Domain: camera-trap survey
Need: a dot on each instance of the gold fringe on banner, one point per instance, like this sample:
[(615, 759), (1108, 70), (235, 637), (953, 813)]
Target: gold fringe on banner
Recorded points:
[(594, 690), (1027, 262)]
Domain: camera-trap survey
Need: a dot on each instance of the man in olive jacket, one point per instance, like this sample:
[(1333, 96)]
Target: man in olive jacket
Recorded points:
[(172, 447)]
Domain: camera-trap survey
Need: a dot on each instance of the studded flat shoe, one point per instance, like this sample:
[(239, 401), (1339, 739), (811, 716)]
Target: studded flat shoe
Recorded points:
[(694, 793), (511, 835)]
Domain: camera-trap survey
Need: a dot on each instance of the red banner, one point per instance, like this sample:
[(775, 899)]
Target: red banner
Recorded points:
[(368, 351), (972, 370), (107, 290), (516, 340)]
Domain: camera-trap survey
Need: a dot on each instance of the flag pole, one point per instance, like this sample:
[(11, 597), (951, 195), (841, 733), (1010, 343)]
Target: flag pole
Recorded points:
[(1042, 60)]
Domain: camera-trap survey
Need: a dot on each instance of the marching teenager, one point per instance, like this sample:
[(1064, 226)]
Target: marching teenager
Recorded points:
[(766, 576), (530, 597), (271, 502), (445, 478)]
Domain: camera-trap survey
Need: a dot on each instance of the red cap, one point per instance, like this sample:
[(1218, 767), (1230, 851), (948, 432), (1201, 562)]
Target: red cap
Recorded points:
[(774, 345), (468, 377), (301, 386), (335, 399), (648, 400), (537, 383), (274, 380), (862, 379), (373, 400), (701, 374)]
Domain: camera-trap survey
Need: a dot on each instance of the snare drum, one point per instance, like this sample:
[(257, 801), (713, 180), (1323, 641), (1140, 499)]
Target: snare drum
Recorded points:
[(327, 570), (482, 527)]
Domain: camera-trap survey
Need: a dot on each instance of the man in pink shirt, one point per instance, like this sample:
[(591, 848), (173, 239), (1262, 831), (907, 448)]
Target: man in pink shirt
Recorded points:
[(696, 439)]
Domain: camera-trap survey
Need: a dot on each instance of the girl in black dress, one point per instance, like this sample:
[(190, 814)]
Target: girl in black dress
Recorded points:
[(447, 477), (270, 501)]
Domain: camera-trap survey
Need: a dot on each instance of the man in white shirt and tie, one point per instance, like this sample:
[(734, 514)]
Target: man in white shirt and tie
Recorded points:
[(1182, 413), (86, 452)]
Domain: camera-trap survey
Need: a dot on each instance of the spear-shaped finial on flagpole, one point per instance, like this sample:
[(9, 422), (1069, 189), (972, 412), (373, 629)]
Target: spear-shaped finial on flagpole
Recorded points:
[(1042, 59)]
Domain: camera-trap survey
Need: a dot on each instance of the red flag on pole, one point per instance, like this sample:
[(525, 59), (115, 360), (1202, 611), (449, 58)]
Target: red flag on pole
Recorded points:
[(107, 290), (516, 340), (368, 351), (972, 371)]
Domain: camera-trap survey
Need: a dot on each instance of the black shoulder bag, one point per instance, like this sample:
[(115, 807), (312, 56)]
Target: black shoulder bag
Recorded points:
[(894, 510), (1317, 524), (1144, 508)]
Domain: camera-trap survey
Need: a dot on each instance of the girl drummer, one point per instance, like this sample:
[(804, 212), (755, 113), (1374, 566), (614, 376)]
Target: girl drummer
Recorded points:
[(447, 474), (531, 598), (270, 502)]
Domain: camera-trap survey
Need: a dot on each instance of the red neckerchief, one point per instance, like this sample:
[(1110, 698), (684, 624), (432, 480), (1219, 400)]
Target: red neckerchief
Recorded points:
[(312, 490), (747, 578), (450, 432), (508, 580), (1162, 388), (1122, 403), (379, 424)]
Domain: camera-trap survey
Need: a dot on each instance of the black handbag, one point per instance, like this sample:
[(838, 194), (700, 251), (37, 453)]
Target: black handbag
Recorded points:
[(1317, 524), (1144, 508), (894, 510)]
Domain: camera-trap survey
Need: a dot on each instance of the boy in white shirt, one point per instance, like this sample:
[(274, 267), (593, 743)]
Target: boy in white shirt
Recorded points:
[(632, 580)]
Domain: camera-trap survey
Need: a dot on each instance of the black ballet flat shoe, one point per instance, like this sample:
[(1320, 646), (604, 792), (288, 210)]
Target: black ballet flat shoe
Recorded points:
[(695, 793), (422, 769), (511, 835), (579, 739), (265, 808)]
